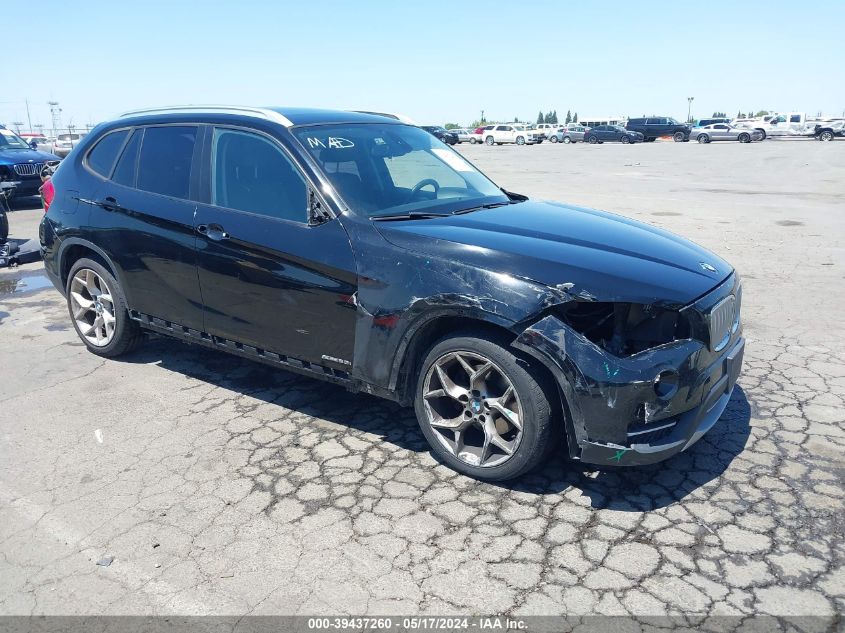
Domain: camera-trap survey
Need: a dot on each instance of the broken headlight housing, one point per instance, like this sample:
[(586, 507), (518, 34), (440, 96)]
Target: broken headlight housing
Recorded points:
[(624, 329)]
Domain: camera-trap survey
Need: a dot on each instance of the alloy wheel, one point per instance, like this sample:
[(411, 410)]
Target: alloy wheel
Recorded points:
[(92, 305), (473, 409)]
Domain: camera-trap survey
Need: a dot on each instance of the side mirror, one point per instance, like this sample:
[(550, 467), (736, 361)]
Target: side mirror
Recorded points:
[(33, 144)]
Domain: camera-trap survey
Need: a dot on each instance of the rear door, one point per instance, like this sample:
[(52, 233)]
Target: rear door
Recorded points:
[(145, 216), (268, 278)]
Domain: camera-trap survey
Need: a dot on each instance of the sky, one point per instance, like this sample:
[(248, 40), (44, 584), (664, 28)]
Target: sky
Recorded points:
[(439, 61)]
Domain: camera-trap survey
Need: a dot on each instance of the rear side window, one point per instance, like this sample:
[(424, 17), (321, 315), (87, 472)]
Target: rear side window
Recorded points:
[(124, 173), (101, 159), (165, 161), (250, 173)]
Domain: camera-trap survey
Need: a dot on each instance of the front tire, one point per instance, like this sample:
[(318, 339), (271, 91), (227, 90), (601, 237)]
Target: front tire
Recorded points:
[(553, 139), (678, 137), (826, 136), (762, 134), (626, 140), (567, 140), (744, 138), (98, 310), (4, 226), (482, 409), (489, 140), (473, 141), (520, 140), (592, 140)]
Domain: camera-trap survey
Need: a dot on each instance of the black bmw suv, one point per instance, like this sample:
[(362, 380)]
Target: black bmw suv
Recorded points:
[(360, 250)]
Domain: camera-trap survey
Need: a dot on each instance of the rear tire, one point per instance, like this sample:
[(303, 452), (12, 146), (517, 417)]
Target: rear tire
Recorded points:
[(744, 138), (826, 136), (553, 139), (489, 140), (762, 134), (626, 140), (703, 138), (567, 140), (520, 140), (525, 428), (472, 141), (87, 303), (4, 226), (592, 140)]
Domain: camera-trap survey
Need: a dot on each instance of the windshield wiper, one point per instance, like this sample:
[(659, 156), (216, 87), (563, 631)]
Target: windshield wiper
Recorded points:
[(411, 215), (490, 205)]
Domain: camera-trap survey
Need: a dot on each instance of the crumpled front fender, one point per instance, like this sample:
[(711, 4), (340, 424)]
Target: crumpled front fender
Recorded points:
[(605, 394)]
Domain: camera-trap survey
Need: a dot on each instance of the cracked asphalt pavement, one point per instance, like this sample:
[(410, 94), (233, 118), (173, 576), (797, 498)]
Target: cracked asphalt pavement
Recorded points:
[(224, 487)]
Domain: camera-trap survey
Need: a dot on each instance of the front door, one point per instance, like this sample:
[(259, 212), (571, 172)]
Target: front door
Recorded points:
[(268, 278)]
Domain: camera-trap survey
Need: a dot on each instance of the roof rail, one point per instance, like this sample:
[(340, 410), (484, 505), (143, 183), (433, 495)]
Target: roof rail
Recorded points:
[(262, 113), (390, 115)]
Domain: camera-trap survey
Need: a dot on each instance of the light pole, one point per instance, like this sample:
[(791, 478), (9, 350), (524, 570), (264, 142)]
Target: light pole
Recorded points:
[(689, 108)]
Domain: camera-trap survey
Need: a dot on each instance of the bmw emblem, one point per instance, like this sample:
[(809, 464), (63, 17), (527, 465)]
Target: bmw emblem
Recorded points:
[(710, 268)]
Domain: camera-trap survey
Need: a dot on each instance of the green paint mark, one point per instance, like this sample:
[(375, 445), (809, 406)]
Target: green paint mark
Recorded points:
[(608, 372), (619, 454)]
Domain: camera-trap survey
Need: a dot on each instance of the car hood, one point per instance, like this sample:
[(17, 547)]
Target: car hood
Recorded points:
[(13, 156), (604, 256)]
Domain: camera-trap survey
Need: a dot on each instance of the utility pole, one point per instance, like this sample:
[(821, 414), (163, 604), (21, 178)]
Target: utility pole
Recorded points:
[(28, 118), (689, 108)]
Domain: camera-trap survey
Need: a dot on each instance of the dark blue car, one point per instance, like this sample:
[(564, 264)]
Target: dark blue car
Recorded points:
[(20, 165)]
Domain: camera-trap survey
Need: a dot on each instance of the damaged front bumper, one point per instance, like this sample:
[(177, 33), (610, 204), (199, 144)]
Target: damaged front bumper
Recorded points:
[(644, 408)]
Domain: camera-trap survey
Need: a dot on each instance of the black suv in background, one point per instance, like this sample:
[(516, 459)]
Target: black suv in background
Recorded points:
[(441, 133), (360, 250), (653, 127)]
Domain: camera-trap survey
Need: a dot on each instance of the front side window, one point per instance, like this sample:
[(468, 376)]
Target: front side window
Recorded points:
[(101, 159), (251, 173), (384, 169), (165, 161)]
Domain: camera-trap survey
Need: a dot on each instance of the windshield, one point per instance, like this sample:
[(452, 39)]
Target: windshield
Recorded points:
[(672, 121), (384, 169), (10, 140)]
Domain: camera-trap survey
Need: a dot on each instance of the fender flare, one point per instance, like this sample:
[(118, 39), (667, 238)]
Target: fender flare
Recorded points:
[(78, 241)]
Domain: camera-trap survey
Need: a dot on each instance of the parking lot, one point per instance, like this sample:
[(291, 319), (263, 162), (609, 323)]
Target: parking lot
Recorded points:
[(180, 480)]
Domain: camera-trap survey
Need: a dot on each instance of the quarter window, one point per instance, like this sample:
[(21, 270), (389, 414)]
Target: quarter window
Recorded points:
[(127, 166), (101, 158), (251, 173), (165, 163)]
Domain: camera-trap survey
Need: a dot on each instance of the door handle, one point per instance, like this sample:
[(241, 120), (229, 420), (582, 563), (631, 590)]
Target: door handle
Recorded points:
[(109, 204), (212, 231)]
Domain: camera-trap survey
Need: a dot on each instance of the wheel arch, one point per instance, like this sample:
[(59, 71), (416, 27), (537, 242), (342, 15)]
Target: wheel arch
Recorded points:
[(74, 249)]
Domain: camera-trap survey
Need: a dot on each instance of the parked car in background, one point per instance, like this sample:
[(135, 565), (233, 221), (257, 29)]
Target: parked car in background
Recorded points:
[(41, 142), (571, 133), (442, 134), (464, 136), (545, 129), (654, 127), (703, 122), (612, 133), (829, 131), (724, 132), (359, 250), (478, 133), (64, 143), (512, 133), (21, 166)]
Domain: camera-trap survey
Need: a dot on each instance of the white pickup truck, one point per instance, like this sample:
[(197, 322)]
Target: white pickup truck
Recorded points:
[(512, 133), (789, 124)]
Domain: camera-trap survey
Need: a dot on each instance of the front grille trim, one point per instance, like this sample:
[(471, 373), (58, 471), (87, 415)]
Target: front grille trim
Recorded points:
[(722, 319), (28, 169)]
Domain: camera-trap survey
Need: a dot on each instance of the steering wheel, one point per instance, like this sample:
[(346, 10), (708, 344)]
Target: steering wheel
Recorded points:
[(423, 183)]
